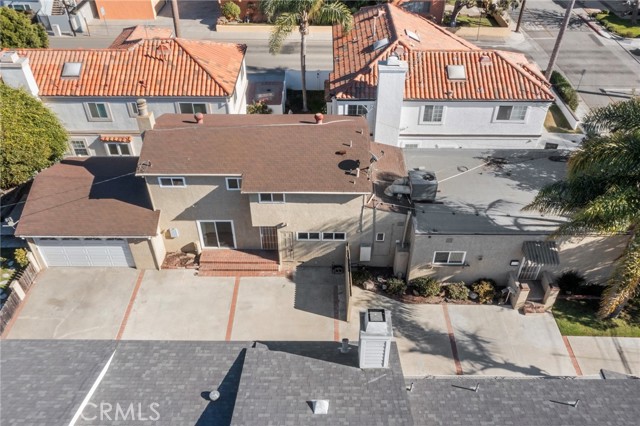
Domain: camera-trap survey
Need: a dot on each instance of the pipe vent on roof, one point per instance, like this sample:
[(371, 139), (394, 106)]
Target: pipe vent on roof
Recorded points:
[(320, 406)]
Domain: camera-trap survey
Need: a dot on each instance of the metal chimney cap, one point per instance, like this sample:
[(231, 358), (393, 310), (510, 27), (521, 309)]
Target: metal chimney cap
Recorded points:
[(320, 406)]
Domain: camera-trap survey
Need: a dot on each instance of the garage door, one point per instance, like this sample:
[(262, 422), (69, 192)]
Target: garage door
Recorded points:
[(85, 252)]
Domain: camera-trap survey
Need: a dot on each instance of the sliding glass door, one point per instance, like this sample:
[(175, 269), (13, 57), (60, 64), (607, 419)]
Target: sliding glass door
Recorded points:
[(217, 234)]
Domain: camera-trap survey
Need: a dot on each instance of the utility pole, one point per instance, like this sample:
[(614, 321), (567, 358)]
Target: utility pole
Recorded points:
[(524, 2), (556, 48), (176, 17)]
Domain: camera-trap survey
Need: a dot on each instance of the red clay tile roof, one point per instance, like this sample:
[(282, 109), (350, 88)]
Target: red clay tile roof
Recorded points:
[(509, 76), (115, 138), (134, 35), (168, 67), (89, 197), (272, 153)]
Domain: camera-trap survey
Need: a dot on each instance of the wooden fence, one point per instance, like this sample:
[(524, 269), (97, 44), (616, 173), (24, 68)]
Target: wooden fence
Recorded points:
[(347, 280), (23, 281)]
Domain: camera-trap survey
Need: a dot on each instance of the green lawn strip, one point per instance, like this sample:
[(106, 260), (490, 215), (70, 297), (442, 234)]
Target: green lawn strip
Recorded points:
[(475, 21), (578, 318), (619, 26)]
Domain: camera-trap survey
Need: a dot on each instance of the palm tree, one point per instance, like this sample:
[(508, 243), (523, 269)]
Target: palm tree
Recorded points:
[(601, 193), (289, 14)]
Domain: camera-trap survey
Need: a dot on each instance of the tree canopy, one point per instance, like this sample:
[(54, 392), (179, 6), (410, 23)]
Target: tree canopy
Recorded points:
[(17, 31), (32, 138), (601, 193)]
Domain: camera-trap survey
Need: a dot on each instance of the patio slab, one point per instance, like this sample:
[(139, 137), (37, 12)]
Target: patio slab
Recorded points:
[(619, 354)]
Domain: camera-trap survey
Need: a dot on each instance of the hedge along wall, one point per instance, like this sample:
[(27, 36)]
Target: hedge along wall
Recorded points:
[(565, 90)]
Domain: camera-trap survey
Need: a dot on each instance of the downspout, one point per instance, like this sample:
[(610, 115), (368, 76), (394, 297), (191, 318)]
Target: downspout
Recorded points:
[(406, 226)]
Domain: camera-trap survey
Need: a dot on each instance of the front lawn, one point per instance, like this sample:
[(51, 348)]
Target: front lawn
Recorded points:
[(476, 21), (578, 318), (618, 26)]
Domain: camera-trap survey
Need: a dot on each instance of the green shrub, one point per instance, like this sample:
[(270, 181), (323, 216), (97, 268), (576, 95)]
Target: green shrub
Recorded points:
[(231, 11), (359, 276), (21, 257), (396, 286), (485, 288), (565, 90), (457, 291), (258, 107), (570, 281), (426, 286)]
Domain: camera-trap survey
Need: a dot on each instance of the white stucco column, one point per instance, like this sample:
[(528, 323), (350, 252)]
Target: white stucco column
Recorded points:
[(389, 98)]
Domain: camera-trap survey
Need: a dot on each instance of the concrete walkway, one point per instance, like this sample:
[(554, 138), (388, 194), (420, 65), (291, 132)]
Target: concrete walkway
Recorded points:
[(619, 354)]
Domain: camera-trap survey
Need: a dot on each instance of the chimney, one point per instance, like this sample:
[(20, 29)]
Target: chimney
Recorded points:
[(199, 118), (146, 120), (319, 118), (389, 99), (16, 72)]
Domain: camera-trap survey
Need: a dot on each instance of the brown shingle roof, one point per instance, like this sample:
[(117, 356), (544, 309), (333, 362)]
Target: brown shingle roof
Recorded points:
[(89, 197), (273, 153), (507, 76), (159, 67)]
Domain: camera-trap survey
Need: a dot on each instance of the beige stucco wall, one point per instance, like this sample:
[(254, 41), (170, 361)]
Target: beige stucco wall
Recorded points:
[(148, 253), (490, 255)]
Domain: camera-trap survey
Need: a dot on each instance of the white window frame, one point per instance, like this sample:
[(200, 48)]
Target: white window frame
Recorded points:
[(299, 238), (184, 182), (380, 240), (284, 198), (179, 109), (20, 7), (237, 179), (357, 106), (432, 123), (118, 146), (92, 118), (448, 262), (511, 120), (84, 143), (332, 236), (133, 113)]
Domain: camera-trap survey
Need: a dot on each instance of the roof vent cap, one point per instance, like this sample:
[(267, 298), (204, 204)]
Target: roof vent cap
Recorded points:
[(320, 406)]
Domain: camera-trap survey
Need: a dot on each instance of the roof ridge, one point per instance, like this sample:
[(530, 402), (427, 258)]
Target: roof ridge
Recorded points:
[(544, 85)]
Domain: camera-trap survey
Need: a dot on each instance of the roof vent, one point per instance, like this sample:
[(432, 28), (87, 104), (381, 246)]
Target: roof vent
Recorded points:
[(71, 69), (412, 35), (379, 44), (10, 57), (456, 72), (485, 60), (320, 406), (424, 185)]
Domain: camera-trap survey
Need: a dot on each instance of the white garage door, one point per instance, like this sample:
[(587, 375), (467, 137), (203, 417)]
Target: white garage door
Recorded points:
[(85, 252)]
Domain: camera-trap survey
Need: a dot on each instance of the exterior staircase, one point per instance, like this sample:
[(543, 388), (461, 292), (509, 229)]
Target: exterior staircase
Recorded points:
[(57, 8), (227, 262)]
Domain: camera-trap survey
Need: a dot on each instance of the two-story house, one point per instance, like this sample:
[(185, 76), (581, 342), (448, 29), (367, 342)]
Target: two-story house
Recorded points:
[(94, 91), (420, 86)]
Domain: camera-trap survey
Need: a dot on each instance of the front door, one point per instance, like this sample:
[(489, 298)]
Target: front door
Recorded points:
[(217, 234), (269, 237)]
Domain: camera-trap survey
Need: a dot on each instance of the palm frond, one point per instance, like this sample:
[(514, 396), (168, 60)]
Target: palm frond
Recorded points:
[(273, 8), (624, 284), (615, 155), (334, 13), (284, 25), (623, 116)]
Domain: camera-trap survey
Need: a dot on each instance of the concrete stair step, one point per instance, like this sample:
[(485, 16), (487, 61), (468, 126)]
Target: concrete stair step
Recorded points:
[(238, 267)]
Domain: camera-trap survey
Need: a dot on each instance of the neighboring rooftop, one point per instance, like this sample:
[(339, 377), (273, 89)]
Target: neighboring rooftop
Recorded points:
[(89, 197), (484, 191), (135, 35), (273, 153), (140, 67), (428, 49)]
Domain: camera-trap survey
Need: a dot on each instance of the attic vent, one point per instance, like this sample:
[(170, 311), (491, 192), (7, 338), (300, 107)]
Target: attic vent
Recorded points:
[(485, 60), (456, 72), (412, 35), (379, 44), (320, 406), (71, 69)]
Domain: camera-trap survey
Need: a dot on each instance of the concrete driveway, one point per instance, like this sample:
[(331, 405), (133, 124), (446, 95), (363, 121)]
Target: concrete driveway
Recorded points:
[(619, 354), (75, 303)]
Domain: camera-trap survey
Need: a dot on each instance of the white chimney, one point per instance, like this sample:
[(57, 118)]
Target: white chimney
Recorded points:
[(376, 335), (146, 120), (16, 72), (389, 98)]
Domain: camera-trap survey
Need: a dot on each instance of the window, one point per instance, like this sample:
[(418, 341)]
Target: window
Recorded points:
[(511, 113), (176, 182), (217, 233), (271, 198), (133, 109), (79, 148), (419, 6), (356, 110), (449, 257), (410, 145), (308, 236), (121, 149), (380, 237), (20, 7), (191, 108), (234, 184), (432, 114), (334, 236), (97, 111)]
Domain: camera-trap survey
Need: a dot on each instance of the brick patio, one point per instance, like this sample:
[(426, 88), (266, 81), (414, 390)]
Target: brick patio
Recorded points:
[(224, 262)]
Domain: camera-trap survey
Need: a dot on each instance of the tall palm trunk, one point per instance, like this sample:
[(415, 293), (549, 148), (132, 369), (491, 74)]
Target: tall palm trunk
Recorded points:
[(304, 30), (556, 48), (176, 18)]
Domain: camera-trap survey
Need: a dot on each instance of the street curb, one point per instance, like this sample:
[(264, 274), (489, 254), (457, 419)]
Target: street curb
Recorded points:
[(594, 27)]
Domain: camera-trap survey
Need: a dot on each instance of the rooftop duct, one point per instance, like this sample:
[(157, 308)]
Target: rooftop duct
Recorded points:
[(424, 185)]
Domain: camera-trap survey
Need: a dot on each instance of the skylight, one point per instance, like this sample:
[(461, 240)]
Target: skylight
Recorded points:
[(71, 69), (456, 72), (412, 35), (379, 44)]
